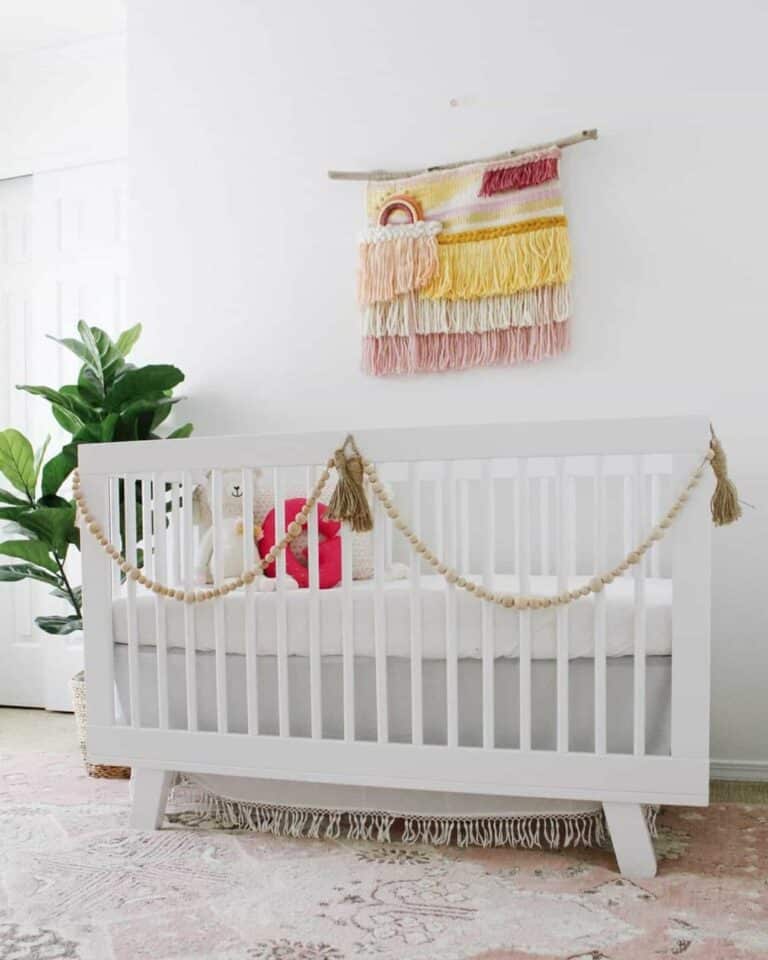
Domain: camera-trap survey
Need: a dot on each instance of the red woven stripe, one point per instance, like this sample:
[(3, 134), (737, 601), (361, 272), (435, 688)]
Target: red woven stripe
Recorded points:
[(518, 177)]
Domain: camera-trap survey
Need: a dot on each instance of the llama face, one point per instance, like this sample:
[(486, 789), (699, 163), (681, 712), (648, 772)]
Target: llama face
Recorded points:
[(232, 493)]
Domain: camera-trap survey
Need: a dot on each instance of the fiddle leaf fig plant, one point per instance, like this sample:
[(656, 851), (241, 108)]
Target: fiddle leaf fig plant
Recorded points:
[(42, 532), (112, 400)]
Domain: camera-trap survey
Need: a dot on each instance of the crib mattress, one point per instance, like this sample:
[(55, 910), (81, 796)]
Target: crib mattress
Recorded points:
[(619, 600)]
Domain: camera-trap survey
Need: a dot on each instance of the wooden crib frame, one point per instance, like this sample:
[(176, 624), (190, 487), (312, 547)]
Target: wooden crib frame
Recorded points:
[(621, 782)]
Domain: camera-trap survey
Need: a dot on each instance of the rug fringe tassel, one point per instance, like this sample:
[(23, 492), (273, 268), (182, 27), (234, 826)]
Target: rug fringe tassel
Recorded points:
[(553, 831)]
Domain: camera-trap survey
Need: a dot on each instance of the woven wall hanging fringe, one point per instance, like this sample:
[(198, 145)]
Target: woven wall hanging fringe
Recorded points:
[(465, 265), (350, 504)]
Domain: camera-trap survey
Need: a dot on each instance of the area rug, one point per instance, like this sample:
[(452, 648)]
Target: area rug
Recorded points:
[(77, 884)]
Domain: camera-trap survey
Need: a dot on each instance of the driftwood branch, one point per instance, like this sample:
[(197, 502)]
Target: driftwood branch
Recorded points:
[(399, 174)]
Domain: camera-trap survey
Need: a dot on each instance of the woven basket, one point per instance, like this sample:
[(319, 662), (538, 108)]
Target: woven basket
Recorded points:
[(77, 685)]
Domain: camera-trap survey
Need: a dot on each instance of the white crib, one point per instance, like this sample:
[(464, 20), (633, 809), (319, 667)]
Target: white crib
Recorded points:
[(411, 684)]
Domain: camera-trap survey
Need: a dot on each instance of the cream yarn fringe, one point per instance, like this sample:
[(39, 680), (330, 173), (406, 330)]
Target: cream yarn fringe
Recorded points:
[(411, 313), (530, 831)]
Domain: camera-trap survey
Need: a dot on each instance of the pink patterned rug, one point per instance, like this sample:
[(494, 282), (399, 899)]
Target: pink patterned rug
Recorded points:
[(77, 884)]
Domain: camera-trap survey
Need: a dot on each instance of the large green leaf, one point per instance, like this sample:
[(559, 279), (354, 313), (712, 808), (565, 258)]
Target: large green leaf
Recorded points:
[(78, 403), (153, 405), (48, 393), (17, 461), (7, 497), (142, 382), (93, 361), (111, 359), (26, 571), (56, 471), (52, 525), (60, 626), (127, 339), (107, 427), (66, 418), (39, 458), (12, 513), (91, 389), (182, 432), (75, 346), (32, 551)]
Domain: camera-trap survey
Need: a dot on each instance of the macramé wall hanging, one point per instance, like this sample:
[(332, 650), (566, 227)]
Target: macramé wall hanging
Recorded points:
[(465, 265)]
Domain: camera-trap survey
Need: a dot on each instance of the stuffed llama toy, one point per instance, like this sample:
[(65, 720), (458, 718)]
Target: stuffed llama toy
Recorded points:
[(232, 543), (232, 530)]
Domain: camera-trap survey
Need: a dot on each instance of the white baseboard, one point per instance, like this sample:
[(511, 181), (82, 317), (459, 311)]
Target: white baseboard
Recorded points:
[(755, 770)]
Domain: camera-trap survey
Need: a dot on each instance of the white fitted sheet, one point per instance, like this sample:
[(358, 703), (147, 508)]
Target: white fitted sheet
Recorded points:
[(619, 599)]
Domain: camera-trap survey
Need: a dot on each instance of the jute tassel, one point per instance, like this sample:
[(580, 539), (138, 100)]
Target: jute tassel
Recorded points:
[(349, 501), (725, 500)]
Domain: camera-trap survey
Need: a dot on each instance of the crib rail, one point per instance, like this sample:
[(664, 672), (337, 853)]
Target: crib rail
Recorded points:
[(556, 500)]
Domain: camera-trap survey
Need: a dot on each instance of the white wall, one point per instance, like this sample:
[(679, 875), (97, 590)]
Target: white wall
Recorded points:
[(62, 83), (244, 251)]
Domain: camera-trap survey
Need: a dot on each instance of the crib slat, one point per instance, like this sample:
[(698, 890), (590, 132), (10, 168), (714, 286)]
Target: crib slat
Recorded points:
[(161, 575), (283, 702), (379, 622), (176, 578), (464, 561), (487, 609), (451, 649), (129, 493), (639, 525), (146, 526), (315, 677), (628, 531), (347, 635), (249, 607), (438, 515), (655, 554), (600, 608), (563, 554), (572, 515), (219, 621), (190, 655), (544, 543), (524, 526), (417, 713), (115, 534)]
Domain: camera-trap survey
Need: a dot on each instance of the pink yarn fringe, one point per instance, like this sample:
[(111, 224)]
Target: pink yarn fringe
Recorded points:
[(518, 177), (388, 268), (433, 352)]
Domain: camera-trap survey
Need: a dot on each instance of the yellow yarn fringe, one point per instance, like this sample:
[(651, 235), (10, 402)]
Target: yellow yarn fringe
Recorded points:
[(502, 265)]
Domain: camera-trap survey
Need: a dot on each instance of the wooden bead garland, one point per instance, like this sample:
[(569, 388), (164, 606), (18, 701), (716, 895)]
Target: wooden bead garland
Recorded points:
[(507, 600)]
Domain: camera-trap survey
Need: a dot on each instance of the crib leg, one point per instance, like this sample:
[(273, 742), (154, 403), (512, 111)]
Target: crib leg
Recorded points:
[(149, 790), (631, 838)]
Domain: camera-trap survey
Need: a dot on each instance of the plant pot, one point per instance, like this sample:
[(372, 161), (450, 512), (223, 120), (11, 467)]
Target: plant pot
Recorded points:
[(62, 657), (81, 720)]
